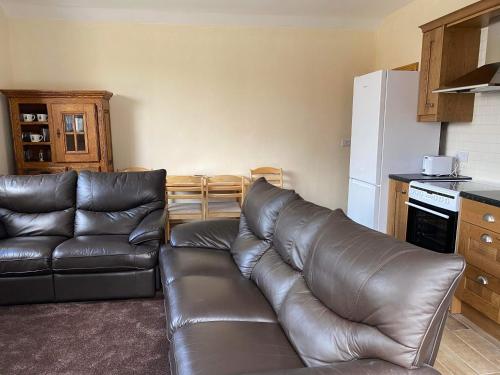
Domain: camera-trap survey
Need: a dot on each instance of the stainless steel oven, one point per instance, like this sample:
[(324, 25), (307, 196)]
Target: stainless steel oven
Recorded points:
[(432, 217)]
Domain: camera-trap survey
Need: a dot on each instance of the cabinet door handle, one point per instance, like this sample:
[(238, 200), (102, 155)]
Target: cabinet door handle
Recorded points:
[(489, 218), (486, 238), (429, 105), (58, 132), (483, 280)]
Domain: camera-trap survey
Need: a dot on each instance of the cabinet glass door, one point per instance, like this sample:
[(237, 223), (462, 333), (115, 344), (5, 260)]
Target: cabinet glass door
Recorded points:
[(75, 135), (76, 132)]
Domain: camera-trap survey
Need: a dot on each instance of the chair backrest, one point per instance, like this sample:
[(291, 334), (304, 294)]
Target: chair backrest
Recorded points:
[(42, 205), (134, 169), (223, 188), (188, 189), (273, 175), (115, 203)]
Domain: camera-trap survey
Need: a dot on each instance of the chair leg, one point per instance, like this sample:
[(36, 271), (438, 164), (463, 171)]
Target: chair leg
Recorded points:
[(167, 234)]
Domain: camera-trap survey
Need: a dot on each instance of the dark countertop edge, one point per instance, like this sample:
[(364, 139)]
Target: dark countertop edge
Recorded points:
[(407, 178), (478, 197)]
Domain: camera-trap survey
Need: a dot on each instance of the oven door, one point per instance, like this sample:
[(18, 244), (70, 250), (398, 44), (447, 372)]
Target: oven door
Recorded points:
[(431, 227)]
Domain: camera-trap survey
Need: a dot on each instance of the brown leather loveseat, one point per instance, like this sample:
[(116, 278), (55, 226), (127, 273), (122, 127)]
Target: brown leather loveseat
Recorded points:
[(298, 289), (69, 237)]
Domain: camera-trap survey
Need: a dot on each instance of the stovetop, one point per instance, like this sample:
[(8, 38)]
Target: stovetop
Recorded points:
[(460, 186), (443, 194)]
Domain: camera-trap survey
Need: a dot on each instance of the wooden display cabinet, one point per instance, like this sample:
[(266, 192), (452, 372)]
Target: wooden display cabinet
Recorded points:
[(75, 128)]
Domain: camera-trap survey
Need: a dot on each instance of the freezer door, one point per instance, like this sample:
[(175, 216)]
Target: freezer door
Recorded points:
[(363, 203), (367, 127)]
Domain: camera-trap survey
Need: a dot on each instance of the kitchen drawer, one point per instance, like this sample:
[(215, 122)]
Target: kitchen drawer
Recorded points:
[(481, 291), (480, 247), (481, 214)]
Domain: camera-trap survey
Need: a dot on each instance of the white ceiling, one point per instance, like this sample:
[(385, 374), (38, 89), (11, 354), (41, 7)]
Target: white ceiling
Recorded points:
[(336, 13)]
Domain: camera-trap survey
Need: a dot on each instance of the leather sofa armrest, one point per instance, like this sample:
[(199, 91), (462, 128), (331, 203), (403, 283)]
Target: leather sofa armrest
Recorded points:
[(212, 234), (358, 367), (151, 228)]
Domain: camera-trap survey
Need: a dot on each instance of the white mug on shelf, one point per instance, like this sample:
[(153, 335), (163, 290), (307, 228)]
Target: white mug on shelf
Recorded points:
[(29, 117), (36, 137), (42, 117)]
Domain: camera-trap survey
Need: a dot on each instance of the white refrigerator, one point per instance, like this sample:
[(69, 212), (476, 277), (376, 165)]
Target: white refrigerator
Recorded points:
[(386, 138)]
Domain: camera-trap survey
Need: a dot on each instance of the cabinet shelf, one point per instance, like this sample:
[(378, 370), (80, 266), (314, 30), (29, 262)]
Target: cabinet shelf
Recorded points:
[(34, 123), (36, 143)]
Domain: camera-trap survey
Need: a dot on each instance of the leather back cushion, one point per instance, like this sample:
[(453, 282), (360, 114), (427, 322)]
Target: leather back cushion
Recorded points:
[(260, 211), (247, 248), (367, 295), (297, 228), (262, 206), (115, 203), (41, 205)]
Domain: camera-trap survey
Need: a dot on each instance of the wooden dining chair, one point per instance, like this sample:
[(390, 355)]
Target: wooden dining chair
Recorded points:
[(185, 199), (272, 175), (224, 195)]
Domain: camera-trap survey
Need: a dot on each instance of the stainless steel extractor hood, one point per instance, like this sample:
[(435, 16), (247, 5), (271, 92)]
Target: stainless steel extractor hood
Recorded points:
[(483, 79)]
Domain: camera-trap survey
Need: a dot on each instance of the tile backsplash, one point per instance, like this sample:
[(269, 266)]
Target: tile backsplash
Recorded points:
[(481, 137)]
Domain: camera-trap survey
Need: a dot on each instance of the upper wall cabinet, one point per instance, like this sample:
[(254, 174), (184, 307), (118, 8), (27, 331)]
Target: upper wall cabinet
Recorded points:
[(447, 54), (450, 49)]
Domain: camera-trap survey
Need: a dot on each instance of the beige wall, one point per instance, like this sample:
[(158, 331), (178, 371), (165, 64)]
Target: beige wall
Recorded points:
[(399, 39), (5, 142), (210, 99)]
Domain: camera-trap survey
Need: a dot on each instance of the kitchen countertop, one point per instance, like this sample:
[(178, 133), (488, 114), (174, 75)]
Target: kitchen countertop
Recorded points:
[(408, 177), (489, 196)]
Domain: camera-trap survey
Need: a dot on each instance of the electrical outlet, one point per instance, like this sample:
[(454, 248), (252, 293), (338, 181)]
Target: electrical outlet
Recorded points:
[(463, 156), (345, 142)]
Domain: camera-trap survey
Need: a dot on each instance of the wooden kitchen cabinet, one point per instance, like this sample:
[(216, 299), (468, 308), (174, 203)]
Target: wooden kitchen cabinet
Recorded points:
[(447, 54), (479, 243), (397, 212), (75, 126), (450, 49)]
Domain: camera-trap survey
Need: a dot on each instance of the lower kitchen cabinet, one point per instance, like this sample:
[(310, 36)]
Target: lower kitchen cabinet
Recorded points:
[(397, 211), (478, 293)]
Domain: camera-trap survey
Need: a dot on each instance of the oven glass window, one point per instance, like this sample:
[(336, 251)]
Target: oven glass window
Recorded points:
[(430, 231)]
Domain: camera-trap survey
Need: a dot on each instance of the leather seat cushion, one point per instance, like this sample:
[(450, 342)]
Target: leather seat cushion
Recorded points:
[(27, 255), (189, 261), (193, 299), (111, 253), (228, 348)]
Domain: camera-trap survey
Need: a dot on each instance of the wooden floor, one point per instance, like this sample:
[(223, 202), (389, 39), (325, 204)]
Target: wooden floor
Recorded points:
[(466, 349)]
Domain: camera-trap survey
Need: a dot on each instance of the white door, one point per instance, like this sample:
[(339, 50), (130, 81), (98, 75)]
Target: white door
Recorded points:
[(367, 127), (363, 203)]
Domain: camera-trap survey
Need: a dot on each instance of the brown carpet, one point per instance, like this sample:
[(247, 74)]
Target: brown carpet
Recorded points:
[(112, 337)]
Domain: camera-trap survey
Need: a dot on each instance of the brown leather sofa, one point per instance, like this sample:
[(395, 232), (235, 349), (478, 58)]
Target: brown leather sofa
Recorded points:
[(80, 237), (298, 289)]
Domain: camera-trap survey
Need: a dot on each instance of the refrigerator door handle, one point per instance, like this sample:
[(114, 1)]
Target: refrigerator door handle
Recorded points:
[(444, 216)]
